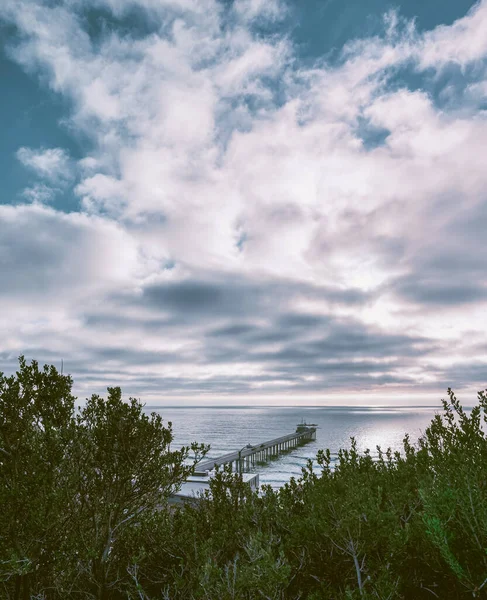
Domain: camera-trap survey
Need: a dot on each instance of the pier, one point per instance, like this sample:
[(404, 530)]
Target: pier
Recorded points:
[(243, 459)]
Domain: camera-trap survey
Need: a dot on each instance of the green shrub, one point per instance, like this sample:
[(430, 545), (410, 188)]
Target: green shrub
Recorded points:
[(84, 511)]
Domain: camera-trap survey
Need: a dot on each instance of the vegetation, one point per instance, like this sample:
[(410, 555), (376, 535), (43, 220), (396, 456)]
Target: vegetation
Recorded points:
[(84, 510)]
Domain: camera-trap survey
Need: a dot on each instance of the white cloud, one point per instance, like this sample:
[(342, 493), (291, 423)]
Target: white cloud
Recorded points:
[(50, 257), (196, 165), (263, 9), (52, 164), (237, 75), (102, 192), (463, 42), (39, 193)]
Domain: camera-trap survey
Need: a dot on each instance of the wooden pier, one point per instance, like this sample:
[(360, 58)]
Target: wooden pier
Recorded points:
[(243, 459)]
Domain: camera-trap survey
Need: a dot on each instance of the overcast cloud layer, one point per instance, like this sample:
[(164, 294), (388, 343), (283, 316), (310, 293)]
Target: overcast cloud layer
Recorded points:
[(250, 225)]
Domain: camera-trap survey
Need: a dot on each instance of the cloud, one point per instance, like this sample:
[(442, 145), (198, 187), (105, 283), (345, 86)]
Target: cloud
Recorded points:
[(39, 193), (251, 222), (49, 257), (262, 9), (462, 43), (52, 164), (215, 298)]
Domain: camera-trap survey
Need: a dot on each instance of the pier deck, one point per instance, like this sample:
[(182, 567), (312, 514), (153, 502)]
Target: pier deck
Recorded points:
[(247, 456)]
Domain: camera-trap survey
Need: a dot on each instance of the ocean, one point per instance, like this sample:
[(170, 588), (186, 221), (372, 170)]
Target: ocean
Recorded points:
[(231, 428)]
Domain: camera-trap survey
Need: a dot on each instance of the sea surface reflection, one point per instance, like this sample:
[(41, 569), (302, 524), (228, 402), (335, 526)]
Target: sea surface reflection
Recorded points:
[(230, 428)]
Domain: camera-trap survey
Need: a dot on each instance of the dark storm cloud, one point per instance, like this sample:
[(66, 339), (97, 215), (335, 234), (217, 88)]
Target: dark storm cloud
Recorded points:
[(117, 322), (300, 320), (240, 384), (328, 349), (49, 257), (258, 327), (236, 296), (32, 251), (253, 323), (240, 321), (471, 224), (356, 359), (474, 373), (457, 262), (233, 331), (449, 270), (193, 296), (439, 292), (445, 276), (356, 339), (317, 337), (137, 357)]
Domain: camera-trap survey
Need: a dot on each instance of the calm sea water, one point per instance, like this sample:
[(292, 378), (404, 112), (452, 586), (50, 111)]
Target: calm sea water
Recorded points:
[(229, 429)]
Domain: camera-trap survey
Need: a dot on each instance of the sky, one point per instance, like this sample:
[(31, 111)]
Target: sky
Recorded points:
[(246, 201)]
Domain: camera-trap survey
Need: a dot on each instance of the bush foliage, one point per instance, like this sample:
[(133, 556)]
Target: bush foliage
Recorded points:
[(85, 514)]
